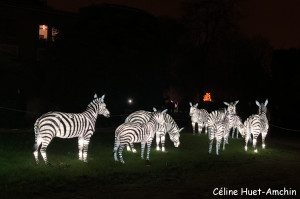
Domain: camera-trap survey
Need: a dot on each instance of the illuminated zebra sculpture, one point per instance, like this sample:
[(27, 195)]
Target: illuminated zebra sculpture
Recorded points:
[(198, 116), (68, 125), (170, 127), (256, 124), (128, 133)]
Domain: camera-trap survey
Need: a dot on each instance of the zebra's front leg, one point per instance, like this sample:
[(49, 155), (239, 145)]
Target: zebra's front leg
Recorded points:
[(85, 148), (210, 145), (193, 125), (157, 141), (218, 147), (246, 143), (142, 149), (205, 128), (80, 147), (237, 133), (163, 140), (200, 127)]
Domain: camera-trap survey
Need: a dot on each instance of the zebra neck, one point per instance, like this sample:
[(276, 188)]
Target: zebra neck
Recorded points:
[(263, 116), (92, 113)]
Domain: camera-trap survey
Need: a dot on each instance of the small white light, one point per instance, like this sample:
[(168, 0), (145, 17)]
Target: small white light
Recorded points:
[(263, 146), (130, 101), (255, 150)]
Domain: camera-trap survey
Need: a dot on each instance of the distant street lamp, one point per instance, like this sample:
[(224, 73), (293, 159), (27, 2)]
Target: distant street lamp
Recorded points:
[(129, 101)]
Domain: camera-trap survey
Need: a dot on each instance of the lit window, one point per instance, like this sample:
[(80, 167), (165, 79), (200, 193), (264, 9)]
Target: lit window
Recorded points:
[(43, 32)]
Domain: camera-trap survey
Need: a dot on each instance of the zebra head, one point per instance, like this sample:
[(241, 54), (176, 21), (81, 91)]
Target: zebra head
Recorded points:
[(262, 107), (175, 135), (231, 107), (99, 103), (193, 108)]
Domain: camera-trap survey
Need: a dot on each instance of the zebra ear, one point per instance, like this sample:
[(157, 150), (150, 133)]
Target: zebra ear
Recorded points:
[(226, 103), (102, 98), (257, 103), (154, 109), (164, 111), (191, 104), (266, 102), (196, 105), (181, 129), (235, 103), (95, 96)]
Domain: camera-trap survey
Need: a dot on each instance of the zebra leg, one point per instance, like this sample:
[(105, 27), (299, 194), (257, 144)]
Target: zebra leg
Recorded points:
[(36, 149), (157, 141), (121, 148), (132, 148), (163, 139), (217, 147), (128, 147), (80, 147), (224, 142), (148, 149), (117, 144), (237, 133), (193, 125), (205, 128), (263, 137), (246, 143), (85, 148), (232, 134), (254, 144), (210, 145), (43, 149), (142, 149), (200, 128)]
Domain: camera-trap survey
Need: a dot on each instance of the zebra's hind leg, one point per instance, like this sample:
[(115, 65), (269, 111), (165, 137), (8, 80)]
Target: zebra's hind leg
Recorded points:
[(128, 147), (254, 144), (246, 143), (148, 152), (43, 149), (122, 146), (117, 144), (263, 137), (132, 148), (36, 150)]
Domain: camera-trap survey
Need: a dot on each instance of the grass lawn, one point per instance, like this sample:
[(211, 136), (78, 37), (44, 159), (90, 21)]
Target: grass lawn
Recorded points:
[(184, 172)]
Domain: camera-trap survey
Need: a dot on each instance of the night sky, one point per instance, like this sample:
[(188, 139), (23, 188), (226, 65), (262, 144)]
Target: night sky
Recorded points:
[(276, 20)]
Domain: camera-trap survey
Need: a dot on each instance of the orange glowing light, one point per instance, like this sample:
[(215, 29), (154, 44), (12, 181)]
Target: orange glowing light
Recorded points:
[(207, 97)]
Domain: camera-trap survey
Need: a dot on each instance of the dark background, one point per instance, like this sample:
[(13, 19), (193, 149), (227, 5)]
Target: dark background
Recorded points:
[(152, 53)]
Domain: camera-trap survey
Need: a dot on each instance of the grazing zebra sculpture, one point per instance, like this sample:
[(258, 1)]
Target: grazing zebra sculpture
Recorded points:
[(130, 132), (68, 125), (141, 117), (198, 116), (256, 124)]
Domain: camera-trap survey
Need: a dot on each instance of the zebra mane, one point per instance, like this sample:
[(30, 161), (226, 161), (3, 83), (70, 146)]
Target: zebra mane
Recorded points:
[(171, 122)]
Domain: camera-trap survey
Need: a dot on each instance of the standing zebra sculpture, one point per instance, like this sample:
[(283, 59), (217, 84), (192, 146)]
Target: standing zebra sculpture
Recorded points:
[(256, 124), (141, 117), (68, 125), (128, 133), (198, 116)]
